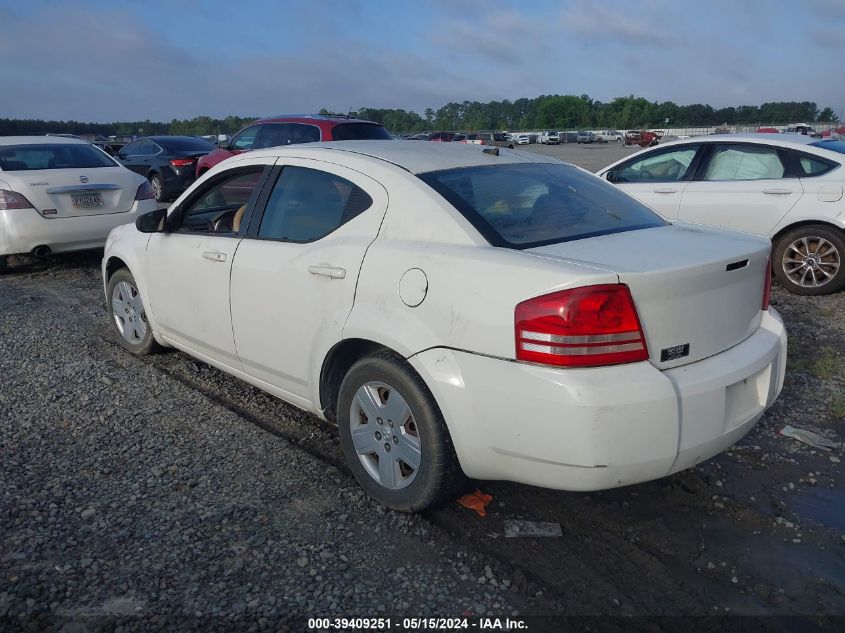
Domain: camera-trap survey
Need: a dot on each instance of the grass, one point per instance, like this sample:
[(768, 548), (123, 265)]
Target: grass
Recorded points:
[(837, 405), (825, 366)]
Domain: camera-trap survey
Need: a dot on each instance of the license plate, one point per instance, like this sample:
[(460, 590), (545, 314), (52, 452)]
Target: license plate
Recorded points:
[(87, 200)]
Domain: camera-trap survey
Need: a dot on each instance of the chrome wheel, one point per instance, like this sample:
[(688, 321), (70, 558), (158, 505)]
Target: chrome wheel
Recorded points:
[(158, 187), (128, 312), (385, 435), (811, 262)]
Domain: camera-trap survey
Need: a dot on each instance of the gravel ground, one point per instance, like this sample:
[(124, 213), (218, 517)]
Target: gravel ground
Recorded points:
[(135, 489)]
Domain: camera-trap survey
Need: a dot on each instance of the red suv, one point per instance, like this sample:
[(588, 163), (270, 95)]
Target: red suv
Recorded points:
[(291, 129)]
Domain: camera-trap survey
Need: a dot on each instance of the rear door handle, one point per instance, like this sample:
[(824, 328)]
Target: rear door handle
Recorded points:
[(215, 256), (665, 190), (777, 192), (333, 272)]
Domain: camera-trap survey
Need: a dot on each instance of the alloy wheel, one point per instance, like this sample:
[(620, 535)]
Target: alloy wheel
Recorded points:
[(385, 435), (811, 262)]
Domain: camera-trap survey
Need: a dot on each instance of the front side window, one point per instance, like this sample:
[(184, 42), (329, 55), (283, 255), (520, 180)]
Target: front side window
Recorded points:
[(743, 162), (52, 156), (220, 207), (527, 205), (246, 139), (307, 204), (663, 166)]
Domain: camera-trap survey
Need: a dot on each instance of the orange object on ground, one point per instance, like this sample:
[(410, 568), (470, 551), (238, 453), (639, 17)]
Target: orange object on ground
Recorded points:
[(477, 501)]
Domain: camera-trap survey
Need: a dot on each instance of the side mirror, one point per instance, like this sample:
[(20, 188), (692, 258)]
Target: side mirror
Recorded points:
[(223, 144), (152, 222)]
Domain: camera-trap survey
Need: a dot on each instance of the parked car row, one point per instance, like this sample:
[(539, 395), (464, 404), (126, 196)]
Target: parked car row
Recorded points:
[(788, 188)]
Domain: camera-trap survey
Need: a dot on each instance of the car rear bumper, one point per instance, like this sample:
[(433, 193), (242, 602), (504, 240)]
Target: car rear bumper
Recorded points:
[(597, 428), (21, 230)]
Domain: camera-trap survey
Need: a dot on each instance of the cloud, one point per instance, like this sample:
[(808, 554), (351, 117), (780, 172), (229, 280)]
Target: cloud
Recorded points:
[(596, 23), (506, 37)]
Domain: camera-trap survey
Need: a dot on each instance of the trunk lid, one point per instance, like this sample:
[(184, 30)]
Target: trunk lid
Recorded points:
[(698, 291), (75, 192)]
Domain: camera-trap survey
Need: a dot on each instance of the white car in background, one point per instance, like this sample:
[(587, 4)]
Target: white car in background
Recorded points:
[(522, 139), (785, 187), (60, 194), (456, 310), (609, 136)]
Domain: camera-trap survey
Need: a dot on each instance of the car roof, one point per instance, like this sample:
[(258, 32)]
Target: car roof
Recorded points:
[(305, 118), (41, 140), (769, 139), (412, 156)]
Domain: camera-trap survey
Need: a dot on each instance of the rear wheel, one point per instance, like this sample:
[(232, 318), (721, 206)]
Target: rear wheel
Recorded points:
[(158, 187), (808, 260), (393, 435), (128, 315)]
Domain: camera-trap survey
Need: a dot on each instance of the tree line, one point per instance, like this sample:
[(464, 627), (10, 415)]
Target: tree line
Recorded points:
[(543, 112)]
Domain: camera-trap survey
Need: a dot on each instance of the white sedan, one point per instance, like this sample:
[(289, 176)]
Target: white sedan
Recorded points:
[(785, 187), (459, 311), (61, 194)]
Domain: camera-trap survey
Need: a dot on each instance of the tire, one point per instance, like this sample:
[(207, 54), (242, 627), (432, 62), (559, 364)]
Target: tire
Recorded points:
[(158, 187), (510, 146), (808, 260), (127, 315), (378, 448)]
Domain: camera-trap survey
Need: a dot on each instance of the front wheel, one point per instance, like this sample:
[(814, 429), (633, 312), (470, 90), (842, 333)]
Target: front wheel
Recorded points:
[(393, 435), (808, 260), (128, 316)]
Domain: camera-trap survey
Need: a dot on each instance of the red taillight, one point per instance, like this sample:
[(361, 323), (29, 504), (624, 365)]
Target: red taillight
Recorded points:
[(145, 192), (13, 200), (767, 285), (183, 162), (582, 327)]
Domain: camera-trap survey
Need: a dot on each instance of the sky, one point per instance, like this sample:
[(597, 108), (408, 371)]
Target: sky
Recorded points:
[(119, 60)]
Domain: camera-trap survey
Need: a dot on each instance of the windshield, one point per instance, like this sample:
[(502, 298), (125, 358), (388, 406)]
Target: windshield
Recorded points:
[(833, 146), (527, 205), (186, 144), (52, 156), (360, 132)]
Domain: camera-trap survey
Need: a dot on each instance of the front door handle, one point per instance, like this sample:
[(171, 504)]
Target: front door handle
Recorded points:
[(333, 272), (777, 192), (665, 190), (215, 256)]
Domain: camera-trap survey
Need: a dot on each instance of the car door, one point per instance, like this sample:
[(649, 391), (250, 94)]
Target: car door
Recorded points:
[(294, 275), (189, 265), (132, 156), (658, 178), (741, 186)]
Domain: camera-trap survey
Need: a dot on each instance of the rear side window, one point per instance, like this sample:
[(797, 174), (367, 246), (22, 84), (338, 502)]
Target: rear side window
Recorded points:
[(302, 133), (813, 165), (360, 132), (307, 204), (526, 205), (69, 156), (743, 162)]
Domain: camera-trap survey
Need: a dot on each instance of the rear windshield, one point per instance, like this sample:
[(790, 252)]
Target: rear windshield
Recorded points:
[(360, 132), (186, 144), (47, 156), (833, 146), (527, 205)]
